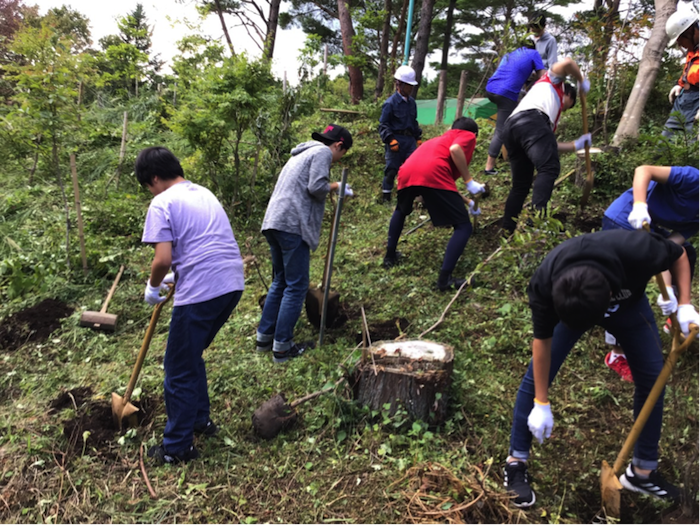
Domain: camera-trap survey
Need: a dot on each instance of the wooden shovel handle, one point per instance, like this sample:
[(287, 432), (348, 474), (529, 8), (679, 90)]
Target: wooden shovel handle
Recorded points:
[(144, 347), (589, 180), (112, 290)]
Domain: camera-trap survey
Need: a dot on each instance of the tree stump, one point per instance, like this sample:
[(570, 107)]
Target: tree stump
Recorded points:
[(413, 375), (581, 174)]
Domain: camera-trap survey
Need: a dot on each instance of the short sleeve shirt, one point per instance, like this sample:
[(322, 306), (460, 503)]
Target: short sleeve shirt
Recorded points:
[(513, 72), (431, 165), (205, 256)]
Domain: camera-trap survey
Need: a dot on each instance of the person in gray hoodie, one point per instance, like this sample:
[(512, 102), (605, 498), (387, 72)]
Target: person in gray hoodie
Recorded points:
[(545, 43), (292, 227)]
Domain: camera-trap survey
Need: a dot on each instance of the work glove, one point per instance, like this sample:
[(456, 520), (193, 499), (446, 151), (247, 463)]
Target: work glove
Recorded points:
[(639, 215), (580, 143), (686, 315), (675, 91), (419, 142), (348, 190), (473, 210), (584, 86), (394, 145), (474, 187), (540, 421), (169, 279), (152, 294), (670, 306)]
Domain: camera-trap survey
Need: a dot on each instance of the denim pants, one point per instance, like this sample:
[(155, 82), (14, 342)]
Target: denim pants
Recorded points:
[(395, 159), (635, 330), (531, 145), (505, 107), (192, 329), (687, 105), (290, 264)]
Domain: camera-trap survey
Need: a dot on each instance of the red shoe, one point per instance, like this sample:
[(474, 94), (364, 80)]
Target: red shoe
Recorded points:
[(620, 366), (668, 326)]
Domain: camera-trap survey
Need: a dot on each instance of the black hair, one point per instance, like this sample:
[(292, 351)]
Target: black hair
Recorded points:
[(581, 296), (466, 124), (537, 20), (571, 91), (157, 161)]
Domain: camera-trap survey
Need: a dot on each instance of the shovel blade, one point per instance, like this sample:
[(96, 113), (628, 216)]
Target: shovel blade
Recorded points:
[(123, 413), (610, 488), (314, 307)]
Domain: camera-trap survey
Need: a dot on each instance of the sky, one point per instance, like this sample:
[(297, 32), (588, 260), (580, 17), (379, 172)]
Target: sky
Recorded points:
[(168, 18)]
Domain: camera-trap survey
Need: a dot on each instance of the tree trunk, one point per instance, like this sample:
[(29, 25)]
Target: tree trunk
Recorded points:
[(460, 94), (399, 32), (220, 12), (609, 14), (347, 32), (448, 34), (59, 179), (422, 41), (414, 376), (383, 50), (628, 129), (441, 96), (272, 22)]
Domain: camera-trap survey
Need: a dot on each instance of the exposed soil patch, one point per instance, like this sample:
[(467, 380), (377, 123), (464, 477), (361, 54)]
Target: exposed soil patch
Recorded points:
[(33, 324), (385, 330), (579, 222), (71, 398)]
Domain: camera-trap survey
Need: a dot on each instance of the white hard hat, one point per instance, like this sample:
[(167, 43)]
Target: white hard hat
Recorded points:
[(406, 75), (681, 20)]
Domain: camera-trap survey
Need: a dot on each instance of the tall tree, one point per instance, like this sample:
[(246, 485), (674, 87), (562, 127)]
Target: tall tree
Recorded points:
[(422, 40), (628, 128), (348, 33), (383, 49)]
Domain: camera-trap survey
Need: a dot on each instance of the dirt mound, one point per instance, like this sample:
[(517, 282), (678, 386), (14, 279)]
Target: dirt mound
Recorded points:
[(33, 324)]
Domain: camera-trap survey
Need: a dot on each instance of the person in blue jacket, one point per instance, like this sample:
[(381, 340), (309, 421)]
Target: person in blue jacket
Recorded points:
[(503, 89), (666, 198), (398, 127)]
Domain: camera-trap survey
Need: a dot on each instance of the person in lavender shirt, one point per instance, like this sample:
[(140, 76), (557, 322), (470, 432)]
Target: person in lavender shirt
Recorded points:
[(192, 236)]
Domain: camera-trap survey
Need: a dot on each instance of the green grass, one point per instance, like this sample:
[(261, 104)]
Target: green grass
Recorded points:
[(340, 463)]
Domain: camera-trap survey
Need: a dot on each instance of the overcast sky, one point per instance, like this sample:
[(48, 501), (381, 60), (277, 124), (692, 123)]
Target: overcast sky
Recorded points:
[(168, 19)]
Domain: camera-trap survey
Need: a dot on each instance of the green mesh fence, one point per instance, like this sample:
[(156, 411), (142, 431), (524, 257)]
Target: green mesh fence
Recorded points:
[(476, 108)]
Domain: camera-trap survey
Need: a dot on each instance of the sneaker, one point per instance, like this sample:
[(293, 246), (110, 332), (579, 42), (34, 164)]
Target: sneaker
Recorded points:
[(491, 172), (452, 283), (517, 482), (208, 430), (654, 485), (263, 347), (161, 457), (390, 262), (295, 351), (668, 326), (620, 366)]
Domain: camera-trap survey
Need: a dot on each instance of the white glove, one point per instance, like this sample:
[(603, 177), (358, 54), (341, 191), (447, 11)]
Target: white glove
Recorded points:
[(686, 315), (670, 306), (168, 279), (584, 86), (152, 294), (540, 421), (675, 91), (472, 210), (581, 142), (348, 190), (639, 215), (474, 187)]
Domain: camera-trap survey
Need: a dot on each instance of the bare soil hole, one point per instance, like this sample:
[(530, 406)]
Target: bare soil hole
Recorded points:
[(33, 324), (385, 330)]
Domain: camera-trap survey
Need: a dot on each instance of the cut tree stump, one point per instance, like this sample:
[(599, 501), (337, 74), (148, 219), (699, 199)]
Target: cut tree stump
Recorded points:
[(413, 375)]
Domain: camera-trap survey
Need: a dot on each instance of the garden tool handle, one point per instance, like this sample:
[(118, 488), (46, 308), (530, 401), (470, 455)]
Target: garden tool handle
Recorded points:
[(112, 290), (144, 346), (589, 172)]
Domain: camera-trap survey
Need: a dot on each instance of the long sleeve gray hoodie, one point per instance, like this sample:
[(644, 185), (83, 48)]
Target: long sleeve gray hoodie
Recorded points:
[(298, 200)]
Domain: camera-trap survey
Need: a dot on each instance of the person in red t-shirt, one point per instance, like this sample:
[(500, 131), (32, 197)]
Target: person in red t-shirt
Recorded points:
[(431, 172)]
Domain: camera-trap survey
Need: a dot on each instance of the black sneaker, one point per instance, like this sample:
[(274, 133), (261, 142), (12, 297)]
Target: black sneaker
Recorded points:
[(208, 430), (162, 457), (654, 485), (295, 351), (390, 262), (263, 347), (491, 172), (453, 283), (518, 482)]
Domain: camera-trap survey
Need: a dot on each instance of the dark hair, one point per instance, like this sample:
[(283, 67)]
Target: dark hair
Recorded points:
[(466, 124), (571, 91), (581, 296), (537, 20), (157, 161)]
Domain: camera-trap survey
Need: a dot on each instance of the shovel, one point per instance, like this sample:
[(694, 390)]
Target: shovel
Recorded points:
[(102, 320), (123, 412), (589, 180), (322, 305), (610, 485)]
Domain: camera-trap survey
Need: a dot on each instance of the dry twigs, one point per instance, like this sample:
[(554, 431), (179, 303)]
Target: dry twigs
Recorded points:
[(145, 476)]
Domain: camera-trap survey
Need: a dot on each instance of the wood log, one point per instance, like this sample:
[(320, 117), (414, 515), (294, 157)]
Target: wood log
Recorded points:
[(410, 375)]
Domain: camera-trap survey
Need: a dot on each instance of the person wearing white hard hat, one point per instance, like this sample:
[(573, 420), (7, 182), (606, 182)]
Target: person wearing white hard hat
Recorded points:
[(398, 127), (682, 29)]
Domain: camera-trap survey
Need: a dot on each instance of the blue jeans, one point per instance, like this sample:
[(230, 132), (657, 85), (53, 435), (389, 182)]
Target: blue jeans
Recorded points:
[(636, 332), (192, 329), (290, 265)]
